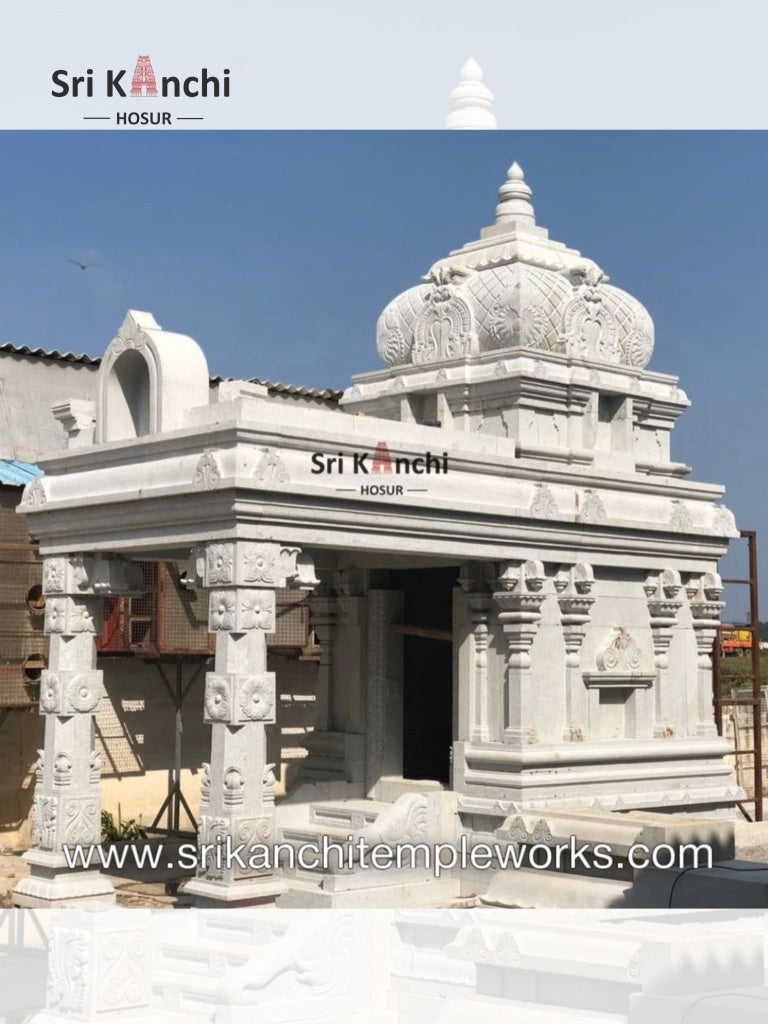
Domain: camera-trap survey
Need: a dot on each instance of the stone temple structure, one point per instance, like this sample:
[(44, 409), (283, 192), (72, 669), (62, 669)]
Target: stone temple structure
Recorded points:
[(514, 585)]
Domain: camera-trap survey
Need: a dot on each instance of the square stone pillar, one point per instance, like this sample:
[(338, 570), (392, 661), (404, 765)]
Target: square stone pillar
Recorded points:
[(384, 691), (519, 601), (237, 807), (472, 634), (66, 809), (663, 608), (100, 968), (706, 607), (574, 585)]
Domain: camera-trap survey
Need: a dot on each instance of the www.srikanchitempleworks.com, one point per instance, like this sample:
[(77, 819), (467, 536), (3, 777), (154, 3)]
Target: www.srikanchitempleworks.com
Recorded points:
[(327, 854)]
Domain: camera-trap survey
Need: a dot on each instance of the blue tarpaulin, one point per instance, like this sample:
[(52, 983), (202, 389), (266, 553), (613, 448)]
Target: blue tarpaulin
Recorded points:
[(17, 474)]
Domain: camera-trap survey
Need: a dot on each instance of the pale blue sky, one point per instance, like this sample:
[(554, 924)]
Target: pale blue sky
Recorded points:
[(277, 251)]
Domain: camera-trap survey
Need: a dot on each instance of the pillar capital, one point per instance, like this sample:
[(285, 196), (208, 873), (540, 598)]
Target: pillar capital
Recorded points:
[(91, 575), (255, 564)]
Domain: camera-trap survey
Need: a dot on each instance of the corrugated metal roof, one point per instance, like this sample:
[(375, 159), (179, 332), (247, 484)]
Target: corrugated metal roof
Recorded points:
[(17, 474), (326, 395), (52, 353)]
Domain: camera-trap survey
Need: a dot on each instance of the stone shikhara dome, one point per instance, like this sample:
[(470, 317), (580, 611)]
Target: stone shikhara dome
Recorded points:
[(515, 288)]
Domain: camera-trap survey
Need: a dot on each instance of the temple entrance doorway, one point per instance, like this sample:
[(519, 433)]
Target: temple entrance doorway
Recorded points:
[(427, 670)]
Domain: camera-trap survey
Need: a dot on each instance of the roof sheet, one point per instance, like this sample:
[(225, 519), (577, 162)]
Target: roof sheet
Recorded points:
[(48, 353), (17, 474), (326, 395)]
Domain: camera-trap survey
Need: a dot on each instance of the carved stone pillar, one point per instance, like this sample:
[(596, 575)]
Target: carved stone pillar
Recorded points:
[(706, 607), (474, 689), (384, 691), (237, 800), (324, 611), (663, 607), (519, 600), (574, 585), (100, 968), (66, 809)]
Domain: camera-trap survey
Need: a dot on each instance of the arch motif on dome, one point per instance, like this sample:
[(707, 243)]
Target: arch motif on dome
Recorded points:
[(443, 328), (590, 328)]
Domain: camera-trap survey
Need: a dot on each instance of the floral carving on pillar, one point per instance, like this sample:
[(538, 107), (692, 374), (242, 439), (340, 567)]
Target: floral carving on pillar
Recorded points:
[(68, 969)]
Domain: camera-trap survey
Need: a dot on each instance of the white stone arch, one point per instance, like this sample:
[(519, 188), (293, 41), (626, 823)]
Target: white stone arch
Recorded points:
[(148, 379)]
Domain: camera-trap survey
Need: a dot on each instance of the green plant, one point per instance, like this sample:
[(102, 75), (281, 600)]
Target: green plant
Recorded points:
[(121, 831)]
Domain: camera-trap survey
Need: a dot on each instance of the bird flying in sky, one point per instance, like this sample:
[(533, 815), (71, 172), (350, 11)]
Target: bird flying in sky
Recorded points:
[(83, 266)]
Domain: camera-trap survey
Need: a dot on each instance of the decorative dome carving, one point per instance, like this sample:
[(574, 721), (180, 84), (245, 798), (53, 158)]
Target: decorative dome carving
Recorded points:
[(515, 289)]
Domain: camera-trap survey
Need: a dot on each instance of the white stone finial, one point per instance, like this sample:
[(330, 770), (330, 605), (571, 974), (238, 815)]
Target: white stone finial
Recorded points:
[(515, 199), (471, 100)]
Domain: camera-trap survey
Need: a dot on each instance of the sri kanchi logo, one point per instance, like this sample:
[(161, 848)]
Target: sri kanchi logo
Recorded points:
[(201, 85), (379, 461), (143, 83)]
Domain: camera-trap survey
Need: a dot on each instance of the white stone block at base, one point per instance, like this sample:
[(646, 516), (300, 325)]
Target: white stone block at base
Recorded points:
[(72, 888), (251, 893), (436, 893), (547, 889)]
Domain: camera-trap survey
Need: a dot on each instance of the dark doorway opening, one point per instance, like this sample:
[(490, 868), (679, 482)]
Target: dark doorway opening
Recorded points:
[(427, 671)]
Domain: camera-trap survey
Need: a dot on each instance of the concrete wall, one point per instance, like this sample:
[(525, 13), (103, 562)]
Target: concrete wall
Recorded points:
[(29, 387)]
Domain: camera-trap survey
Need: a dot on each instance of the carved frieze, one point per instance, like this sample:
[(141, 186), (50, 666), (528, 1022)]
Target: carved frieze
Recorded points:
[(270, 470), (680, 518), (543, 504), (207, 472), (34, 497), (620, 663), (592, 509)]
